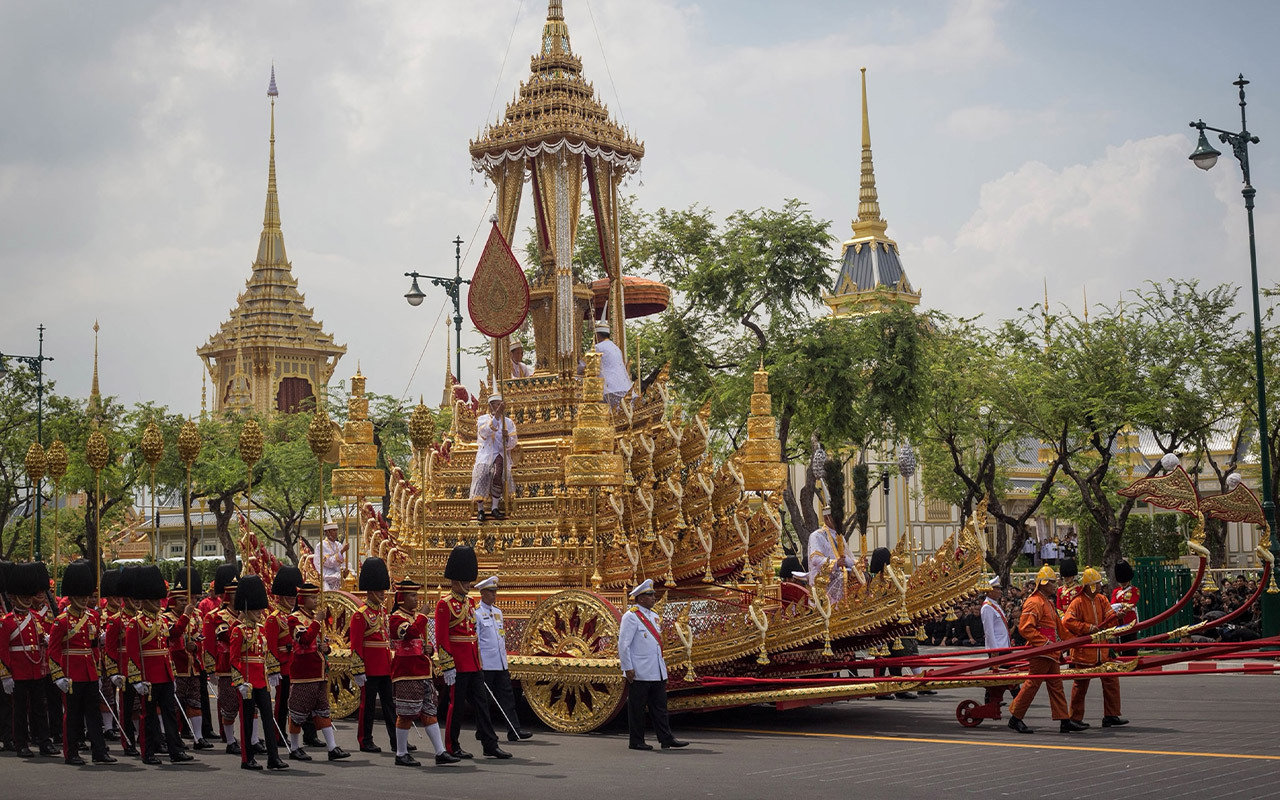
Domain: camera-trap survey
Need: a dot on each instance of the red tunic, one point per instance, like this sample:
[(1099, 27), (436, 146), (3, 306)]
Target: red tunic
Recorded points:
[(22, 645), (1065, 595), (217, 639), (113, 654), (307, 663), (279, 642), (248, 655), (370, 641), (147, 645), (412, 659), (184, 642), (73, 646), (1126, 594), (456, 633)]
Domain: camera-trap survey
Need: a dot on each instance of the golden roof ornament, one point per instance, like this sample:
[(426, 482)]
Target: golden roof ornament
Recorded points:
[(357, 474), (319, 434), (250, 442), (593, 462), (56, 460), (189, 443), (422, 427), (762, 467), (36, 462), (96, 450), (152, 444)]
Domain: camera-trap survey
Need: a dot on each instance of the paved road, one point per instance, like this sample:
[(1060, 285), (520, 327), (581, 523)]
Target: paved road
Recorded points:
[(1194, 736)]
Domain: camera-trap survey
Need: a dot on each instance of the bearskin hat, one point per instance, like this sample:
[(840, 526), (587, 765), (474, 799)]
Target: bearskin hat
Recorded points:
[(879, 559), (1068, 568), (28, 579), (462, 564), (286, 582), (251, 594), (6, 567), (187, 578), (1124, 572), (225, 577), (374, 576), (149, 584), (110, 583), (78, 579), (790, 565)]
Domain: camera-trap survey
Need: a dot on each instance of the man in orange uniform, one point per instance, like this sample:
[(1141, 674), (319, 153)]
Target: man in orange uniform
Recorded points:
[(416, 697), (308, 677), (73, 664), (150, 668), (458, 641), (249, 657), (370, 640), (1040, 625), (1089, 613), (185, 625), (1127, 594), (24, 654)]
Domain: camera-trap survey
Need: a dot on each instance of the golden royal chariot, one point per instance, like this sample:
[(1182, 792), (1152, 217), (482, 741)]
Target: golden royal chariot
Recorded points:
[(602, 498)]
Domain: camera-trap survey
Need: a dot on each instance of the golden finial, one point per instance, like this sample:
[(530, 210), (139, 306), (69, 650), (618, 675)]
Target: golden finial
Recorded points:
[(1084, 292), (56, 460), (189, 443), (95, 398), (319, 432), (204, 408), (36, 462), (152, 444), (250, 442), (422, 426), (868, 222), (96, 450)]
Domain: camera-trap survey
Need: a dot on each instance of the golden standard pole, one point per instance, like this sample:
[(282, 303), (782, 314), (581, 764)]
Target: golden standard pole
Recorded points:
[(189, 443), (57, 464), (152, 452), (35, 463), (319, 438), (96, 453)]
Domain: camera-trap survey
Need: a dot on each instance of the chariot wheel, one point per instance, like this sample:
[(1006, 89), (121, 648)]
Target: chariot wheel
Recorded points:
[(965, 715), (344, 695), (573, 624)]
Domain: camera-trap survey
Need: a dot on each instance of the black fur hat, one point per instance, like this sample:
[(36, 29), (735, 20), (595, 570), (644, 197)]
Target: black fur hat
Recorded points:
[(111, 583), (374, 576), (462, 564), (187, 578), (251, 594), (1068, 568), (1124, 572), (6, 567), (224, 578), (30, 578), (77, 580), (879, 558), (790, 565), (149, 584), (286, 582)]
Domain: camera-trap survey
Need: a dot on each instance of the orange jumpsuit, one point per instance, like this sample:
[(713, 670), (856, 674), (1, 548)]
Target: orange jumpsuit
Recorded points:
[(1040, 624), (1089, 613)]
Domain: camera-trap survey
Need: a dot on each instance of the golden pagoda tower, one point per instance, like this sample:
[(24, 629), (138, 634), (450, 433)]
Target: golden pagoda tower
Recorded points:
[(871, 274), (272, 354)]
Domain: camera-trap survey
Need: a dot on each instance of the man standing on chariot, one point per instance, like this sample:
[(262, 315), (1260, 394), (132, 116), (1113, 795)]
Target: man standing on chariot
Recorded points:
[(825, 545), (613, 367), (495, 442)]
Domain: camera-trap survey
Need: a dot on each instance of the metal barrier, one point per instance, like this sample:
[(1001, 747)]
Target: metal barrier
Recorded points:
[(1160, 585)]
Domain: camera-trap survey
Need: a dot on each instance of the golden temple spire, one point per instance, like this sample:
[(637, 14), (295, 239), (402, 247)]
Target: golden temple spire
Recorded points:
[(95, 398), (271, 244), (869, 222), (555, 33)]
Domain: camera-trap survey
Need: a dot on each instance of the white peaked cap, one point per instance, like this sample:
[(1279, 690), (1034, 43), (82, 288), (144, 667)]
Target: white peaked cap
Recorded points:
[(495, 397), (331, 526), (645, 586), (516, 343), (490, 582), (603, 327), (803, 576), (994, 583)]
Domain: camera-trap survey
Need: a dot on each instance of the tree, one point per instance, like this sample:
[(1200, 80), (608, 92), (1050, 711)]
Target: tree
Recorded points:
[(290, 484), (17, 432)]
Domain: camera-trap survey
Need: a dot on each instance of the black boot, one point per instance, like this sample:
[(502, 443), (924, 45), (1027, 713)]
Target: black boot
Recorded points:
[(1019, 726), (75, 761), (1071, 726), (202, 744), (104, 758), (337, 754), (277, 763), (459, 753), (1114, 722), (493, 751), (446, 758), (250, 764), (299, 755), (233, 749), (407, 760)]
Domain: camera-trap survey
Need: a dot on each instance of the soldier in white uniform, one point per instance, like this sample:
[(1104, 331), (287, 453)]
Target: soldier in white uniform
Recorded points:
[(519, 369), (617, 381), (492, 470), (332, 555), (492, 637), (825, 545), (640, 651)]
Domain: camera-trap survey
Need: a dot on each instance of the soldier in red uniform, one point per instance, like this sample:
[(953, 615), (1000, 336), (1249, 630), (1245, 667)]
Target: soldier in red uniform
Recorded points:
[(151, 669), (73, 664), (1069, 587), (217, 646), (1039, 625), (309, 677), (185, 630), (1126, 593), (23, 651), (284, 588), (249, 667), (416, 697), (371, 644), (115, 588), (460, 654)]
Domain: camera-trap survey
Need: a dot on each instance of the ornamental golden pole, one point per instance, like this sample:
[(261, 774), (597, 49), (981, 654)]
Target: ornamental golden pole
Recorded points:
[(319, 438), (35, 464), (189, 444), (153, 451), (250, 453), (96, 453), (57, 464)]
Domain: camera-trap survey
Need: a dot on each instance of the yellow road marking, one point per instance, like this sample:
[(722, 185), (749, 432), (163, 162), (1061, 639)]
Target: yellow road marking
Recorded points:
[(924, 740)]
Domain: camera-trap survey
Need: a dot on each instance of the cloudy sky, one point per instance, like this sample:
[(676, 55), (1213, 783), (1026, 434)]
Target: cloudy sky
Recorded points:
[(1014, 142)]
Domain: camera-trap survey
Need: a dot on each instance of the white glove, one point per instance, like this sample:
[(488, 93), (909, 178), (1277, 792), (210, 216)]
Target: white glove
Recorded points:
[(7, 683), (273, 680), (63, 684), (142, 688), (117, 681), (450, 677), (245, 690), (358, 680)]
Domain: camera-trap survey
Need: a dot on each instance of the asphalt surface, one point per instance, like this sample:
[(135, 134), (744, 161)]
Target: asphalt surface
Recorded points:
[(1191, 736)]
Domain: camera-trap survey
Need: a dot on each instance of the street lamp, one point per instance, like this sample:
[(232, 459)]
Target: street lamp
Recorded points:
[(1204, 157), (36, 363), (453, 286)]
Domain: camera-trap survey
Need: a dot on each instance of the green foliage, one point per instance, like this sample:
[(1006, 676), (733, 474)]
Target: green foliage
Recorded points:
[(833, 477), (1161, 535), (861, 497)]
